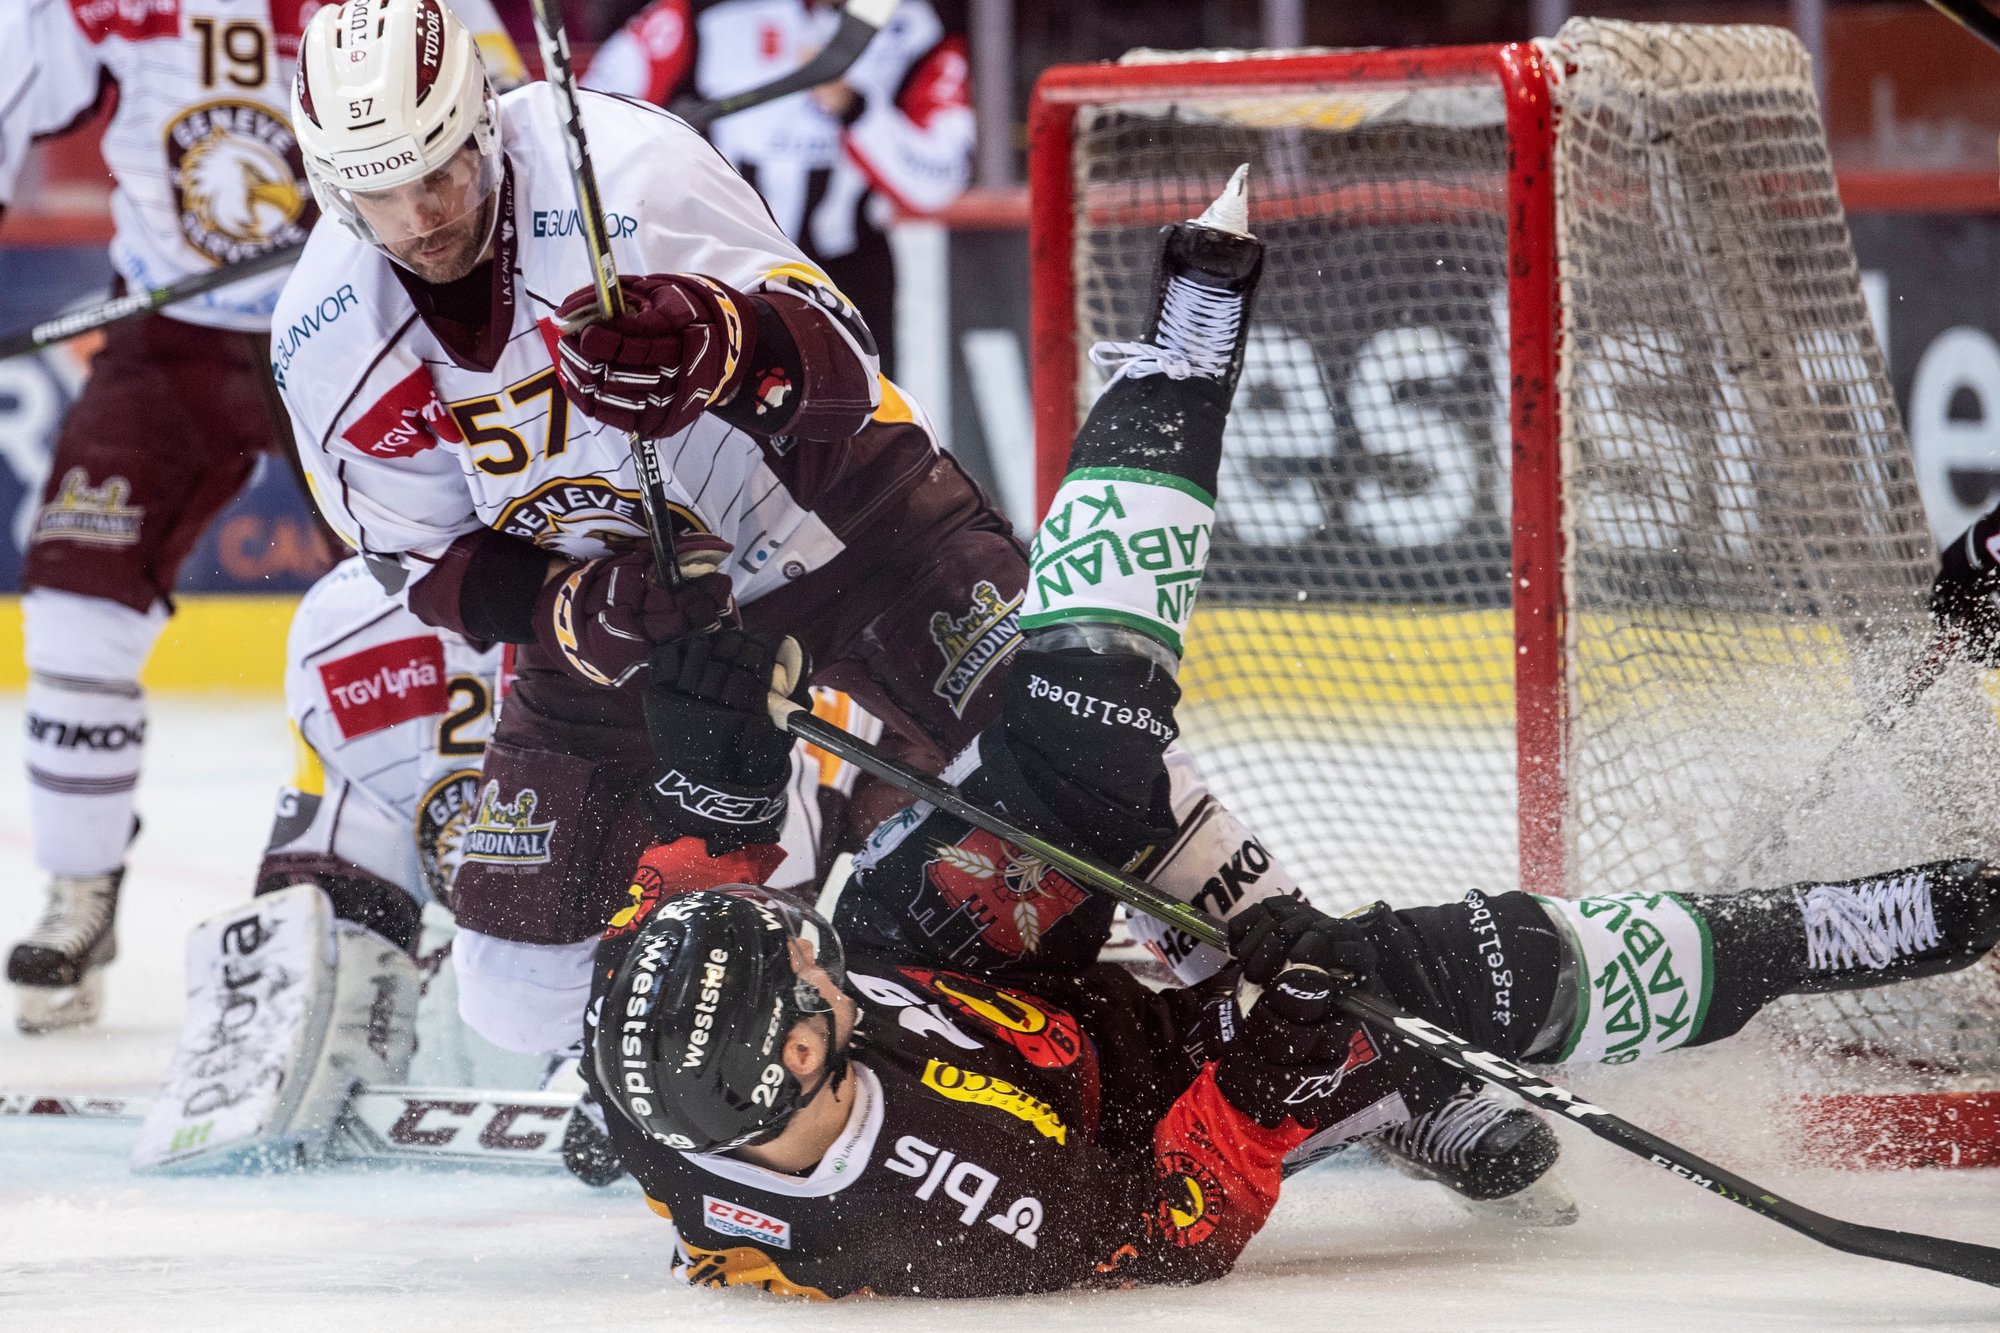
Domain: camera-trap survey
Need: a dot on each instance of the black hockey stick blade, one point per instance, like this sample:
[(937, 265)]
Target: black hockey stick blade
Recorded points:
[(77, 322), (1979, 1263), (860, 20), (1972, 16)]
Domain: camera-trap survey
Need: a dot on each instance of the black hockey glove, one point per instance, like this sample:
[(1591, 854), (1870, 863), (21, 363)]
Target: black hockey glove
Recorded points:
[(725, 763), (1274, 933), (1292, 1053), (1963, 594)]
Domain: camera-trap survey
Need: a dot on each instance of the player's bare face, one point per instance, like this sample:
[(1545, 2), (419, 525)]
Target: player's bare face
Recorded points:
[(438, 227)]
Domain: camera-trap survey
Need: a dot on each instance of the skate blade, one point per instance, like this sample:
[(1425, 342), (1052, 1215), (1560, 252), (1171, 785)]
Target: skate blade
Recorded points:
[(40, 1009), (1546, 1203)]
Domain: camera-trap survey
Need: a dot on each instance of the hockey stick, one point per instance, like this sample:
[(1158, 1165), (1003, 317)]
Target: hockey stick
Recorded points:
[(860, 20), (1972, 16), (1773, 838), (64, 327), (554, 41), (1979, 1263), (429, 1126)]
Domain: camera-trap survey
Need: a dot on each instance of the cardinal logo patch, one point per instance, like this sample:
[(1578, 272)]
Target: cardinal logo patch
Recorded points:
[(92, 515), (505, 833), (973, 644)]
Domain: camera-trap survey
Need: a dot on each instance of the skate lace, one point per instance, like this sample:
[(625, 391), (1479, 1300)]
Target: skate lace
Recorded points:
[(1447, 1135), (1196, 336), (1874, 923), (79, 911)]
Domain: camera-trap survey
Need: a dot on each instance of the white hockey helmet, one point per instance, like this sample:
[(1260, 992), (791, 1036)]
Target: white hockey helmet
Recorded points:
[(389, 95)]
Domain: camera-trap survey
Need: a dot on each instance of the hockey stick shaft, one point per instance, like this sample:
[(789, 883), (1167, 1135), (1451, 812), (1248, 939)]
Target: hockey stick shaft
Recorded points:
[(860, 20), (1959, 1258), (77, 322), (1972, 16), (554, 41)]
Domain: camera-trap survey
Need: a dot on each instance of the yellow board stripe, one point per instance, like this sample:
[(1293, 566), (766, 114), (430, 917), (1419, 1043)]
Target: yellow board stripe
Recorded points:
[(220, 642)]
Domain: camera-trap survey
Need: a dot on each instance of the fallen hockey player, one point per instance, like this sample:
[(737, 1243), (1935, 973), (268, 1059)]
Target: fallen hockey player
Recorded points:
[(827, 1112)]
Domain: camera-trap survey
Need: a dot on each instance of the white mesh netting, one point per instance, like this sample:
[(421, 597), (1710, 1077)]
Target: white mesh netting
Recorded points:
[(1747, 551)]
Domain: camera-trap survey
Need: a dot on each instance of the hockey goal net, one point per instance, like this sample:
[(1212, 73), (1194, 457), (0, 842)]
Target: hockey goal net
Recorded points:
[(1567, 530)]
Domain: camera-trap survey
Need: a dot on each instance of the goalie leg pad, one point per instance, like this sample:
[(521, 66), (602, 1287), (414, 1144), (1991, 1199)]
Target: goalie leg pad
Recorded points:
[(289, 1009)]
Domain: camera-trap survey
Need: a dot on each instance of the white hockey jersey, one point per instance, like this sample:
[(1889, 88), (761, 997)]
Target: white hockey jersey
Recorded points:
[(912, 142), (201, 151), (406, 450)]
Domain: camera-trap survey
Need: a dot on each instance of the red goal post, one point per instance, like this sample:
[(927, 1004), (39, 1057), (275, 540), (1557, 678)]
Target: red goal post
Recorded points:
[(1567, 522), (1521, 71)]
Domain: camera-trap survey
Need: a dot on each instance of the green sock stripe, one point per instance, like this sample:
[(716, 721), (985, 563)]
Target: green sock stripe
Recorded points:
[(1707, 968), (1142, 475)]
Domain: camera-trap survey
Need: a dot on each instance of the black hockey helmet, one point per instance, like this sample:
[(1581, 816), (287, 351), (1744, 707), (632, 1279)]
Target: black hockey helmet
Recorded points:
[(689, 1040)]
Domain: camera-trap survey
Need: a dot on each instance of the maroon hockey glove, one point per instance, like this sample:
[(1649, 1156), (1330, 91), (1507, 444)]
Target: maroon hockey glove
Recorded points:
[(1275, 933), (725, 764), (1293, 1052), (1963, 594), (682, 346), (602, 618)]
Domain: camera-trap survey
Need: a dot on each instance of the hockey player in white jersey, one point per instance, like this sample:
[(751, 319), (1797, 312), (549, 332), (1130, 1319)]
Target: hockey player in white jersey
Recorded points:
[(176, 413), (893, 134), (389, 718), (475, 452)]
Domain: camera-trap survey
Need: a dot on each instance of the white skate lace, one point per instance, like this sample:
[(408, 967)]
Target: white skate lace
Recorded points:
[(79, 912), (1872, 924), (1447, 1135), (1197, 336)]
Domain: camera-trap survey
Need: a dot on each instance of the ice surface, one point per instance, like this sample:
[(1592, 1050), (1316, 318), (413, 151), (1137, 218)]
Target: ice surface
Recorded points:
[(1350, 1247)]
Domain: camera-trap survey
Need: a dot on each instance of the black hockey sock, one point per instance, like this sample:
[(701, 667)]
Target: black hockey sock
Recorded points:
[(1488, 968)]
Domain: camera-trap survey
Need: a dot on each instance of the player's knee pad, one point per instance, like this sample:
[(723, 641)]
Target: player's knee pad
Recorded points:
[(521, 997), (1216, 864), (289, 1008), (1486, 967)]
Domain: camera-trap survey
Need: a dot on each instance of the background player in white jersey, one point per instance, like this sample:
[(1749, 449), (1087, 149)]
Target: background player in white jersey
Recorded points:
[(178, 409), (446, 444), (894, 133)]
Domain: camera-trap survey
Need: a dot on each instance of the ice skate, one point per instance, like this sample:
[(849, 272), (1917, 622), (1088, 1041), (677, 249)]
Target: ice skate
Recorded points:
[(1499, 1160), (1913, 923), (1209, 268), (58, 971)]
